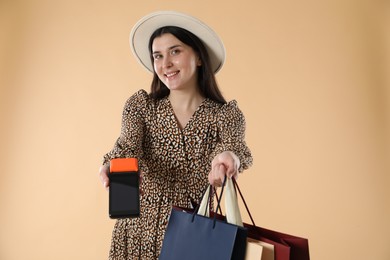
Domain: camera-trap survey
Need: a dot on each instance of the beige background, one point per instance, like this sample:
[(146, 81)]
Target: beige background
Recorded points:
[(312, 78)]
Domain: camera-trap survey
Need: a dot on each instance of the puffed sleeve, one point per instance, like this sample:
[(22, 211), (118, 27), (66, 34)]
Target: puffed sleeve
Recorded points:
[(129, 143), (231, 132)]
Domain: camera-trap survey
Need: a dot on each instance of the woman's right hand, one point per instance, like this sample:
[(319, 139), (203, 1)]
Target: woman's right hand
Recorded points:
[(103, 173)]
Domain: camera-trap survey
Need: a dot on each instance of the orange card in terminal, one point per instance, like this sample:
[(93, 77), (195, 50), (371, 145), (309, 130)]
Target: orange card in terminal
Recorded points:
[(124, 188), (124, 165)]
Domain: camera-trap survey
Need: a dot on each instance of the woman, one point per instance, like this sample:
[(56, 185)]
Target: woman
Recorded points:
[(184, 134)]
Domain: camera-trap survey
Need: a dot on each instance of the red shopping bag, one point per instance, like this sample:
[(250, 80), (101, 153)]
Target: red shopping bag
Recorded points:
[(286, 247)]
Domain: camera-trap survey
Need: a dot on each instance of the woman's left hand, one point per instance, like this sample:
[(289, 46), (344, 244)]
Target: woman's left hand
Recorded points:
[(224, 164)]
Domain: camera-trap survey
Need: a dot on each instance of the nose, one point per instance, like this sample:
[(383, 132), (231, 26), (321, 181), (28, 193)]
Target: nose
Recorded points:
[(167, 62)]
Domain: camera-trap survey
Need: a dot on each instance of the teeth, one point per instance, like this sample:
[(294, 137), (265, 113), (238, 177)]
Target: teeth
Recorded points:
[(171, 74)]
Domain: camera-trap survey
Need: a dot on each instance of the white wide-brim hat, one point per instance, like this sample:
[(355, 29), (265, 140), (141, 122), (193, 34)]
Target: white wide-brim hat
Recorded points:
[(144, 28)]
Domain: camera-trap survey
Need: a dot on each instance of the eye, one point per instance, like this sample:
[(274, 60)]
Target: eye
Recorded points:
[(157, 56), (175, 52)]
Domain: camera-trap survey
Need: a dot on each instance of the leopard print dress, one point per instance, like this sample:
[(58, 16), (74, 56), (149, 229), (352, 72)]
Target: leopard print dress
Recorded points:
[(174, 162)]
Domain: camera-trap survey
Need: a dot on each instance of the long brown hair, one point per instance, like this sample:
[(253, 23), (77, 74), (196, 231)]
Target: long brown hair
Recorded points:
[(206, 80)]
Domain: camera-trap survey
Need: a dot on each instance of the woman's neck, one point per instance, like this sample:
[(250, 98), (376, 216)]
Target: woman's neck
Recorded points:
[(185, 101), (184, 105)]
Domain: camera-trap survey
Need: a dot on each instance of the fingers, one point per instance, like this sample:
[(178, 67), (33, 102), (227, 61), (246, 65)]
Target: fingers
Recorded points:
[(103, 174), (231, 169), (217, 175), (230, 162), (212, 178), (224, 164)]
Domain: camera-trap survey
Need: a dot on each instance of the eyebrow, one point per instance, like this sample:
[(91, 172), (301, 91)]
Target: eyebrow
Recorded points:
[(170, 48)]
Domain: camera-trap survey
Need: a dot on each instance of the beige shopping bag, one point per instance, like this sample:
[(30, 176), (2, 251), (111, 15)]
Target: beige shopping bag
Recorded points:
[(259, 250), (254, 250)]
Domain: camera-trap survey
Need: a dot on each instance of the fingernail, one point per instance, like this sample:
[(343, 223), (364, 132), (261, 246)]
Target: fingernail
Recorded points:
[(105, 184)]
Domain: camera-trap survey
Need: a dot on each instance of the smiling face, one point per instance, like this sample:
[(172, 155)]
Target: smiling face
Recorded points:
[(175, 63)]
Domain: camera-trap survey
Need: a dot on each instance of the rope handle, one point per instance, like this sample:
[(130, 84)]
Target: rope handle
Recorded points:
[(212, 192), (243, 200)]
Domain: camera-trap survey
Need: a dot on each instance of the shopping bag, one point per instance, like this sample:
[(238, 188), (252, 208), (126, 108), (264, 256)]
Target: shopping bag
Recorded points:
[(276, 245), (193, 237), (256, 249), (253, 248), (286, 247)]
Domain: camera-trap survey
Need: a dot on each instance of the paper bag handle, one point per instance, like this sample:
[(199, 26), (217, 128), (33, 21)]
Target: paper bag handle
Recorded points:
[(233, 214), (243, 200), (207, 196)]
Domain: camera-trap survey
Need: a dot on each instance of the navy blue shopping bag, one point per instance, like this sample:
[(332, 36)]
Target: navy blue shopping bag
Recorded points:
[(193, 237)]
